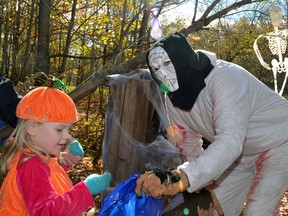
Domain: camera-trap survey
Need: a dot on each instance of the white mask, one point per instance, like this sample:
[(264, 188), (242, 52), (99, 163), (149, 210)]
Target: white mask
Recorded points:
[(163, 69)]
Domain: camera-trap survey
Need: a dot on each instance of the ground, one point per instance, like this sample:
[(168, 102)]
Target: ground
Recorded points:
[(82, 170), (284, 205)]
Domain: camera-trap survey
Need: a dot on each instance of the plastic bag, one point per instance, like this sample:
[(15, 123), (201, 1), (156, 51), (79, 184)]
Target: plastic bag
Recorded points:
[(123, 201)]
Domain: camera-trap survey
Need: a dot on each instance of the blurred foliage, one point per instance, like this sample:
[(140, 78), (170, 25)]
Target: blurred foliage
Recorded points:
[(89, 129)]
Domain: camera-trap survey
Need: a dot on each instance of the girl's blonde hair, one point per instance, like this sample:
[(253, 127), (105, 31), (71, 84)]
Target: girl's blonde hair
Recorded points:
[(19, 141)]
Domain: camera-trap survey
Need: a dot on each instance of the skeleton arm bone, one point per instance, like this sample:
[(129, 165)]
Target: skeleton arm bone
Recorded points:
[(258, 54)]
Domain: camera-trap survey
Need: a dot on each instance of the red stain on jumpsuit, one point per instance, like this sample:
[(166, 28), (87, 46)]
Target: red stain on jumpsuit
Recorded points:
[(178, 134), (260, 162)]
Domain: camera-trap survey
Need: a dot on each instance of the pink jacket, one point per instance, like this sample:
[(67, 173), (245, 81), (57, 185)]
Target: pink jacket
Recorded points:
[(35, 187)]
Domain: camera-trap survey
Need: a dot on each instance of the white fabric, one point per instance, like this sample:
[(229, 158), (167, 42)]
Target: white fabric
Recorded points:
[(163, 68), (247, 123)]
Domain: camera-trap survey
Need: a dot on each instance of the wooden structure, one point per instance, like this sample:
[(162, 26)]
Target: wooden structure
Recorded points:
[(132, 125)]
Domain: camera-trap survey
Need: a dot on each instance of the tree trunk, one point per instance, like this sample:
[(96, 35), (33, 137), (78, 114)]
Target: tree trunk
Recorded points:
[(5, 56), (69, 37), (27, 53), (42, 56), (143, 30), (15, 47)]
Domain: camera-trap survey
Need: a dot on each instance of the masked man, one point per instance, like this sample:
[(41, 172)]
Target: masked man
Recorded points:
[(245, 121)]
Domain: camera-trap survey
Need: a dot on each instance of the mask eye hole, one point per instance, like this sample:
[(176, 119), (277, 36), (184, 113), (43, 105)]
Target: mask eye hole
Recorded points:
[(154, 69), (166, 63)]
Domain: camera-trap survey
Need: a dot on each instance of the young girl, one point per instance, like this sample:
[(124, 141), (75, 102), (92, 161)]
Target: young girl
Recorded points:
[(31, 179)]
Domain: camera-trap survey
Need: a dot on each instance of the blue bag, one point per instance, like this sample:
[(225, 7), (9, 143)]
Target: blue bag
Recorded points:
[(123, 201)]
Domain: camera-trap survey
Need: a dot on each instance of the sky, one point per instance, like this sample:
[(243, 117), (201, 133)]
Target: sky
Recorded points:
[(184, 11)]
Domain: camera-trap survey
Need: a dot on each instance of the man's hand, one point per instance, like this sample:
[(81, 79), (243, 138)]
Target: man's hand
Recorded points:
[(151, 185)]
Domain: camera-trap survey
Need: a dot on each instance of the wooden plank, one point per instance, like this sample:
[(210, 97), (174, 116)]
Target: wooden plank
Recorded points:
[(130, 108)]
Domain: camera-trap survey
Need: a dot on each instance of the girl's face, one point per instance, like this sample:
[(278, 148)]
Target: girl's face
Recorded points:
[(51, 136)]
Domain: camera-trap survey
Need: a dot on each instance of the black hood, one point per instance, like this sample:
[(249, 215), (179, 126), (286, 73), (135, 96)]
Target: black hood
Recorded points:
[(191, 69), (9, 100)]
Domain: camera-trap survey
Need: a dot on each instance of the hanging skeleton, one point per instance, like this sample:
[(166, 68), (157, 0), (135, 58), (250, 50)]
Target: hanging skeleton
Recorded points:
[(277, 43)]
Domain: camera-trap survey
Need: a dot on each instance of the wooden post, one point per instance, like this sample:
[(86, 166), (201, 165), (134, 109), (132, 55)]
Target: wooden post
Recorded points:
[(129, 115)]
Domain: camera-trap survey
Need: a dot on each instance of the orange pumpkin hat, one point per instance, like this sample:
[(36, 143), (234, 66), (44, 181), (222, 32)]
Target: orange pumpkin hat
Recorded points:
[(47, 104)]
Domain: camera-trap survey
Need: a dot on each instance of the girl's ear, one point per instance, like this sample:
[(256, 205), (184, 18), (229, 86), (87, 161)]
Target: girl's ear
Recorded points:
[(31, 127)]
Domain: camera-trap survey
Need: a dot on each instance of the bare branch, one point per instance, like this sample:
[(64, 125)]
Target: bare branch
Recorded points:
[(199, 24), (195, 12), (209, 9), (99, 77)]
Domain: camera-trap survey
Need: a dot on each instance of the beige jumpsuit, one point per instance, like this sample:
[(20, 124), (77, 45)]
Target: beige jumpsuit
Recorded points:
[(247, 125)]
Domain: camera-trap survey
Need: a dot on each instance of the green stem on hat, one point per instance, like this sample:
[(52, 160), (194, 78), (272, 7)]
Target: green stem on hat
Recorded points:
[(57, 83)]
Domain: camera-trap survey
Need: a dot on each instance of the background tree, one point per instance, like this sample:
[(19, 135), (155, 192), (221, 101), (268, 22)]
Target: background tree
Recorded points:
[(43, 51), (75, 40), (83, 41), (208, 14)]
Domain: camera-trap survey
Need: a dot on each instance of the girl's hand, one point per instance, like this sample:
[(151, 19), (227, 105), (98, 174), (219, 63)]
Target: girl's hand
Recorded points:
[(68, 159)]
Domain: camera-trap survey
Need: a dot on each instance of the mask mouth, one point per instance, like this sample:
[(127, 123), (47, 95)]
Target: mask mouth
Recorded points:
[(166, 83), (164, 88)]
